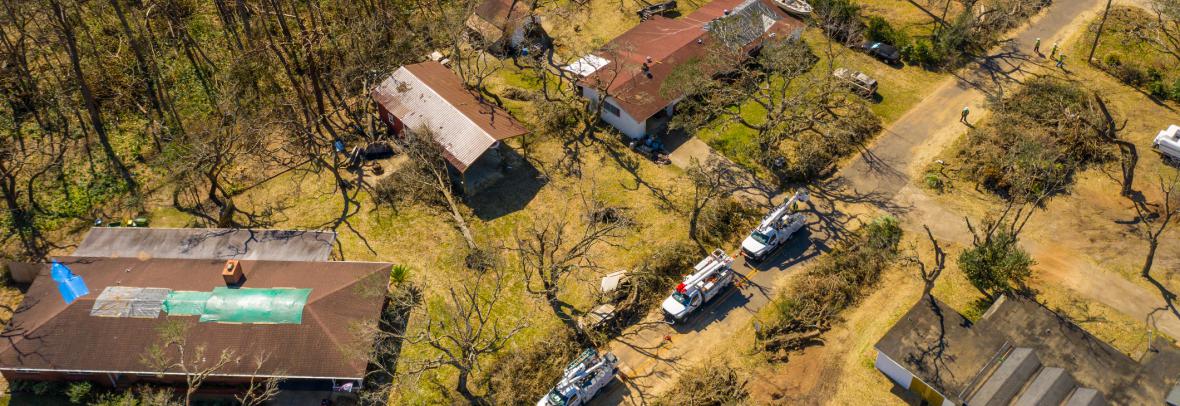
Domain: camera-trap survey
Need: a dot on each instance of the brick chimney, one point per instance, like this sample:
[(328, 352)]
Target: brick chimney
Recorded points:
[(232, 273)]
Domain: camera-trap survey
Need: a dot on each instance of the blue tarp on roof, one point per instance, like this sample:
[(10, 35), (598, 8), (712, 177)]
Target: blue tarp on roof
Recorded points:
[(71, 286)]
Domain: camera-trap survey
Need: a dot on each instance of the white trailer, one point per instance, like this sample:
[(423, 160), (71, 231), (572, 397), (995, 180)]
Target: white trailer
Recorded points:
[(1167, 143), (775, 229), (711, 276), (582, 379)]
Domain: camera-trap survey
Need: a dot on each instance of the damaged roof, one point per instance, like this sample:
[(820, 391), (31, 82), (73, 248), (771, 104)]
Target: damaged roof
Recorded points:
[(428, 95), (672, 42), (46, 334)]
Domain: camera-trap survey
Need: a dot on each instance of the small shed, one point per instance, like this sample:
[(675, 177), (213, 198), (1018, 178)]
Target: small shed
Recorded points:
[(469, 128)]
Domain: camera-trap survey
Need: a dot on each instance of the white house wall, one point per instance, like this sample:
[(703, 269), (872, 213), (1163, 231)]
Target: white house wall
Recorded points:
[(893, 371), (622, 122), (900, 375)]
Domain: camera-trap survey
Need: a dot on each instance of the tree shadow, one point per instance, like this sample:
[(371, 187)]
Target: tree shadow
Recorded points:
[(1166, 294), (521, 183), (630, 163), (995, 71)]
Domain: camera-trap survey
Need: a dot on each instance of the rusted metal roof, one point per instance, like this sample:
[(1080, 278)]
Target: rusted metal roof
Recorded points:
[(429, 95), (669, 43)]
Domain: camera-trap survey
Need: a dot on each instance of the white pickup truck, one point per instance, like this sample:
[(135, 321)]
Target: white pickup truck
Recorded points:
[(775, 229), (582, 379), (711, 276)]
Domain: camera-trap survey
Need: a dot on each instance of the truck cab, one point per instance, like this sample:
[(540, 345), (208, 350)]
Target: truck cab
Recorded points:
[(775, 229), (582, 379), (711, 276), (764, 240)]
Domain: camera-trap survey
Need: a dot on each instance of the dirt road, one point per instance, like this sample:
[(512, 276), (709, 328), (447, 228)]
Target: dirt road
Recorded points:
[(880, 179)]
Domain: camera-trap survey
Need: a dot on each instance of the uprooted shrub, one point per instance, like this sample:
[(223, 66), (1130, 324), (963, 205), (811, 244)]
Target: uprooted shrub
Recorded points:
[(813, 303), (651, 281), (723, 220), (706, 385), (543, 361), (1035, 141), (967, 32)]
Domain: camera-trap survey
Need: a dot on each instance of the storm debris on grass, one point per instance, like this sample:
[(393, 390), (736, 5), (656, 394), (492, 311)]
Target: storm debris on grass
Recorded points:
[(813, 303)]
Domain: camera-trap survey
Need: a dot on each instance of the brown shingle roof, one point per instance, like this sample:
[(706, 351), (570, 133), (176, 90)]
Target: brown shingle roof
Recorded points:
[(429, 95), (47, 334), (670, 43)]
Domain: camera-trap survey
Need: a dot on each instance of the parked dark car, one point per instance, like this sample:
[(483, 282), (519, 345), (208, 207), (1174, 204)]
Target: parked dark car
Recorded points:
[(882, 51)]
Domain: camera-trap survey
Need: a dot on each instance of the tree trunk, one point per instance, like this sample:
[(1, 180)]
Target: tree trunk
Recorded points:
[(444, 187), (461, 387), (1152, 245), (1098, 35)]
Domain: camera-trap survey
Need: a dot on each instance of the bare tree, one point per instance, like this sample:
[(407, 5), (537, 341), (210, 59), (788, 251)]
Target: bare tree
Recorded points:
[(1107, 130), (427, 179), (1163, 33), (781, 99), (261, 389), (462, 332), (930, 273), (1152, 219), (710, 181), (66, 24), (174, 354), (550, 249)]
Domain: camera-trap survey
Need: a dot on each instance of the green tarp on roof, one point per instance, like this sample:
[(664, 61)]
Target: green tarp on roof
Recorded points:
[(244, 305), (186, 303), (256, 306)]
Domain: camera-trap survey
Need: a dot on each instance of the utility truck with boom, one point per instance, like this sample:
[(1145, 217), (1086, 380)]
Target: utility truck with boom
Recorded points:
[(582, 379), (710, 277), (775, 229)]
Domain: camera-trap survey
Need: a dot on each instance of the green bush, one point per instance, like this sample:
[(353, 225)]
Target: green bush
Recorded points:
[(921, 53), (1113, 60), (878, 29), (934, 181), (79, 391), (996, 265), (1158, 89)]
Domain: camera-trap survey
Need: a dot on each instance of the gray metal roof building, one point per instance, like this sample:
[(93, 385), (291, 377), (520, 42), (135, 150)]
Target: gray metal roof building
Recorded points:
[(1019, 353)]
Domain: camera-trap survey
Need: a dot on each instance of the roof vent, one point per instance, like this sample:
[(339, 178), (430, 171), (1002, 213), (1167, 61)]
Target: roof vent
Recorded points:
[(232, 273)]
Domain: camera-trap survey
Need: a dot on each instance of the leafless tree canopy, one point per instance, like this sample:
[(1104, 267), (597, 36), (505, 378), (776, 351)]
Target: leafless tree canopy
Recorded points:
[(462, 332), (554, 247)]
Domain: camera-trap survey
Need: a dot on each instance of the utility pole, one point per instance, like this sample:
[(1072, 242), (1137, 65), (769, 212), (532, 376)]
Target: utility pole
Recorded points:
[(1097, 35)]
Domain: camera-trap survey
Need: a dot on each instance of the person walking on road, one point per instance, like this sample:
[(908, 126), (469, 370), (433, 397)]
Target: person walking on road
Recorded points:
[(1061, 61), (1037, 46), (1053, 53), (966, 111)]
